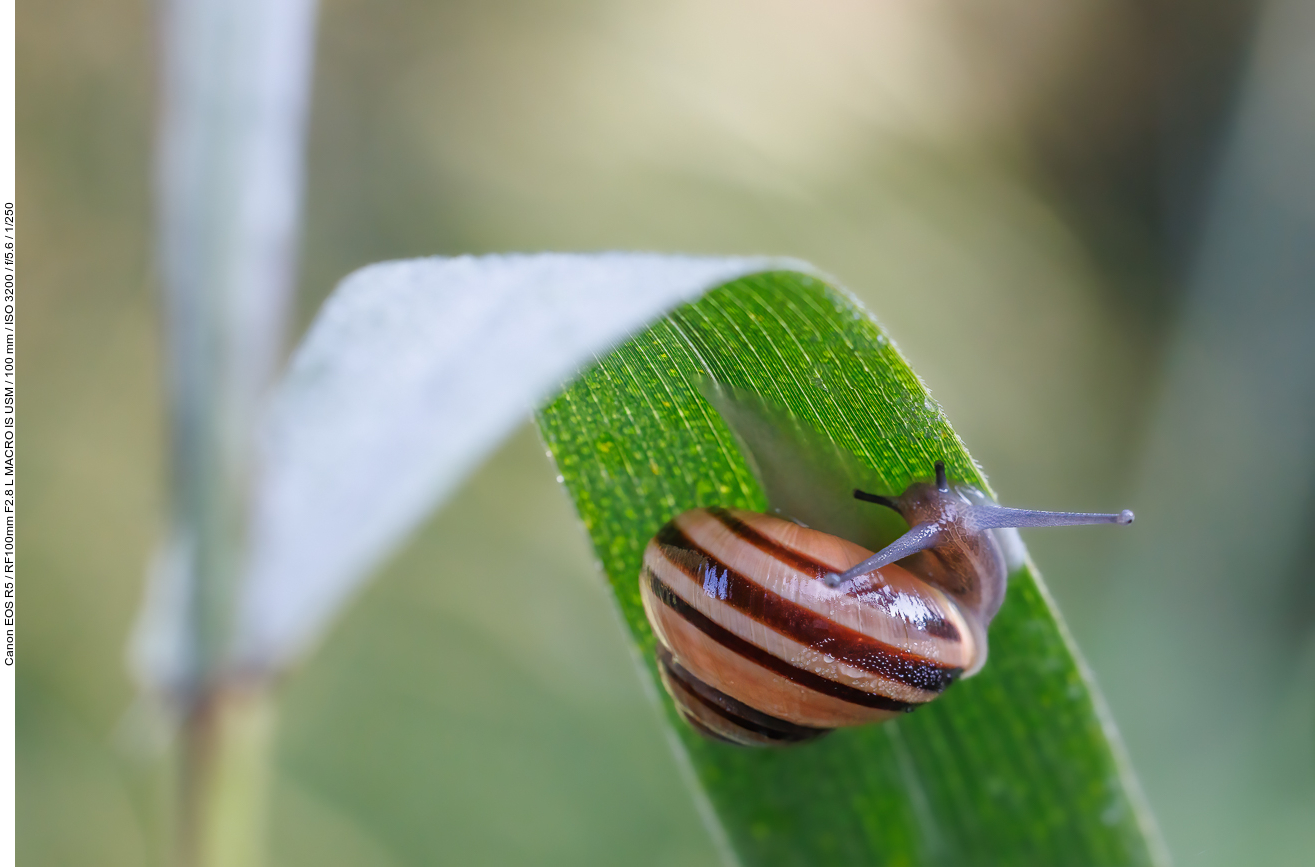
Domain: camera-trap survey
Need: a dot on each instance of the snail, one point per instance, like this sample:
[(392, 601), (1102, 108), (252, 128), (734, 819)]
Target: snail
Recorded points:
[(770, 633)]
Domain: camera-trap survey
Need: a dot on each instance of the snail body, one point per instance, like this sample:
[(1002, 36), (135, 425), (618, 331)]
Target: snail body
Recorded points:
[(770, 633)]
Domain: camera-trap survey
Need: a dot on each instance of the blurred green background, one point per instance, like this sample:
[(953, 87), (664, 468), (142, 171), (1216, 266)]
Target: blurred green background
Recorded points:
[(1090, 227)]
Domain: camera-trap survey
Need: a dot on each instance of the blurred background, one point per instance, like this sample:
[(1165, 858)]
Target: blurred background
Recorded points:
[(1090, 226)]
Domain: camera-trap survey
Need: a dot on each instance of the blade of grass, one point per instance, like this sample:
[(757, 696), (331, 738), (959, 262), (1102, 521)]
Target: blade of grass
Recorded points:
[(1019, 765), (411, 374)]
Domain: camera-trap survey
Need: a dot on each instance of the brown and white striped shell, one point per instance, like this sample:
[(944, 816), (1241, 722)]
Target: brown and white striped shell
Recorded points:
[(757, 650), (770, 633)]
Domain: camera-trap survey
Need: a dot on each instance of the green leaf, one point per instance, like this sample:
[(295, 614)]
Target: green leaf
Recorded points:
[(1018, 765)]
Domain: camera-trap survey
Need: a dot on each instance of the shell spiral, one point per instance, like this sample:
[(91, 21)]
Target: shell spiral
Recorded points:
[(757, 650)]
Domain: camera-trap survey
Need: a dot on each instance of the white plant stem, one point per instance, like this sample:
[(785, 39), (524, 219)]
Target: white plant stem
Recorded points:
[(234, 82)]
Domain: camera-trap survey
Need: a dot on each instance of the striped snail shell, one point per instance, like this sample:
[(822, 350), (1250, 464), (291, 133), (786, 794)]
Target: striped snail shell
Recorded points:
[(770, 633)]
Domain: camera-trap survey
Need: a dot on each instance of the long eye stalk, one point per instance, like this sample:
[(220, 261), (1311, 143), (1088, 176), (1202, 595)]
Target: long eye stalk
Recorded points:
[(920, 538), (998, 517)]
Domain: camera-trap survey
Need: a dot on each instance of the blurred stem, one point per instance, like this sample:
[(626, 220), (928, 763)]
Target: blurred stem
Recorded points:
[(235, 82), (235, 86), (225, 779)]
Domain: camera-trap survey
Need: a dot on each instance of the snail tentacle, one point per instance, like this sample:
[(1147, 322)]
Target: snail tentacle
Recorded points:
[(919, 538), (876, 498), (987, 517)]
